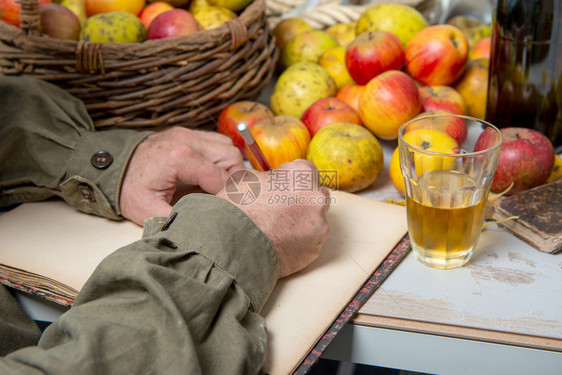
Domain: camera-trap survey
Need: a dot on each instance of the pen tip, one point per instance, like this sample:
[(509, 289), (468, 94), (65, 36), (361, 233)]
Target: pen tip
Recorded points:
[(242, 127)]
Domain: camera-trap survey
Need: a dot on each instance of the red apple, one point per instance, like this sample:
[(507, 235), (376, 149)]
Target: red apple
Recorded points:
[(327, 111), (245, 111), (59, 22), (10, 11), (437, 55), (351, 95), (442, 98), (455, 127), (282, 139), (372, 53), (152, 10), (526, 159), (171, 23), (389, 100)]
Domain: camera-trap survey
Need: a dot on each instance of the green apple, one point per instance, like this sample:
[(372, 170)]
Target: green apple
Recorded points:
[(307, 46), (348, 156), (234, 5), (299, 86), (402, 20)]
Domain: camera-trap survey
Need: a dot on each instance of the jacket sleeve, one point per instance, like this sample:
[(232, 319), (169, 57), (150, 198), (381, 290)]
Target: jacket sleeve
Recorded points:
[(183, 300), (49, 147)]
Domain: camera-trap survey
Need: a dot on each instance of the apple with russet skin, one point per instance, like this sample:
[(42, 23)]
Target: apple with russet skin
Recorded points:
[(59, 22), (351, 94), (10, 11), (526, 158), (172, 23), (327, 111), (288, 28), (442, 98), (437, 55), (351, 151), (440, 120), (389, 100), (105, 6), (307, 46), (246, 111), (282, 139), (372, 53), (299, 86), (152, 10)]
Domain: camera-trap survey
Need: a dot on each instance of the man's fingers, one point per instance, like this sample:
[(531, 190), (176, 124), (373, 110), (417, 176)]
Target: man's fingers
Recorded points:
[(202, 172)]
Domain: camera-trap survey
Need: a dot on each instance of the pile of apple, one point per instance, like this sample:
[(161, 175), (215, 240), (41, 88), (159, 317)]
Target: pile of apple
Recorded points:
[(342, 89), (126, 21)]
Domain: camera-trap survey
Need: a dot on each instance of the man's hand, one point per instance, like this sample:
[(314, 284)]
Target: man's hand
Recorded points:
[(294, 219), (175, 156)]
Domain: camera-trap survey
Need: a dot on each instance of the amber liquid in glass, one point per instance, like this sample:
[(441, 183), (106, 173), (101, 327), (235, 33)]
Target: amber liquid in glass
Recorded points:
[(444, 223)]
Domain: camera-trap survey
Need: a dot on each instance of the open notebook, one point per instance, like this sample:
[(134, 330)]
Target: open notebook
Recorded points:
[(49, 249)]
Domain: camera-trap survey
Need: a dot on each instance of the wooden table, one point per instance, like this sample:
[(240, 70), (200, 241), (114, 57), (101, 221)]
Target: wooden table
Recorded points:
[(499, 314)]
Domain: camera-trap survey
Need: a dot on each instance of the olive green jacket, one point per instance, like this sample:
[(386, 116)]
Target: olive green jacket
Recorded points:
[(184, 299)]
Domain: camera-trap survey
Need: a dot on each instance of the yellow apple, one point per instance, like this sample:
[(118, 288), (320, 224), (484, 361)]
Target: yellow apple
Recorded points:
[(348, 156), (343, 32), (299, 86), (556, 170), (307, 46), (195, 5), (431, 140), (234, 5), (333, 60), (473, 87), (402, 20), (213, 16), (396, 173)]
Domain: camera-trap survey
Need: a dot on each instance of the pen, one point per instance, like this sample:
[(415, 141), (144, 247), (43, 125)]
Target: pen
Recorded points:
[(253, 146)]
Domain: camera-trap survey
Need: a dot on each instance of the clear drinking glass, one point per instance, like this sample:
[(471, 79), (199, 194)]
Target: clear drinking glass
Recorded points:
[(448, 163)]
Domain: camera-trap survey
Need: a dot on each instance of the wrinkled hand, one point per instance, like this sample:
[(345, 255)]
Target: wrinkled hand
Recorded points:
[(294, 220), (175, 156)]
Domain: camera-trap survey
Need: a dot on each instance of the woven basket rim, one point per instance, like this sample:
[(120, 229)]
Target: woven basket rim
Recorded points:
[(249, 15)]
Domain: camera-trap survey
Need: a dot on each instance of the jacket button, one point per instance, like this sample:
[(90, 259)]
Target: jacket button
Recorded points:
[(87, 192), (101, 159)]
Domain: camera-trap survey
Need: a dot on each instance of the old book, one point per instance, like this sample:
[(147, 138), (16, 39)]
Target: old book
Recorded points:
[(49, 249), (538, 213)]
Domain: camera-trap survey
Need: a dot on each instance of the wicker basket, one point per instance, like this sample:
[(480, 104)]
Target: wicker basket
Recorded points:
[(183, 81)]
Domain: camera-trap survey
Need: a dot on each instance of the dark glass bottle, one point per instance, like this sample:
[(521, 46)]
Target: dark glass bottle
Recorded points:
[(525, 81)]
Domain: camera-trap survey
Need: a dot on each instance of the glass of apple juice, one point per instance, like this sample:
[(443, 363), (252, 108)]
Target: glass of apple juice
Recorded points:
[(448, 163)]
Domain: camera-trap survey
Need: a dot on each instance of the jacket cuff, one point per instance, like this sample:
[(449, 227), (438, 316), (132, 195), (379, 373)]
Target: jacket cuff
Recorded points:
[(96, 170), (230, 239)]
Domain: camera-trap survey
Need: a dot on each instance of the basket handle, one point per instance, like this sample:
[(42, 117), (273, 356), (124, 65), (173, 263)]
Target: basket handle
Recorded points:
[(30, 20)]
